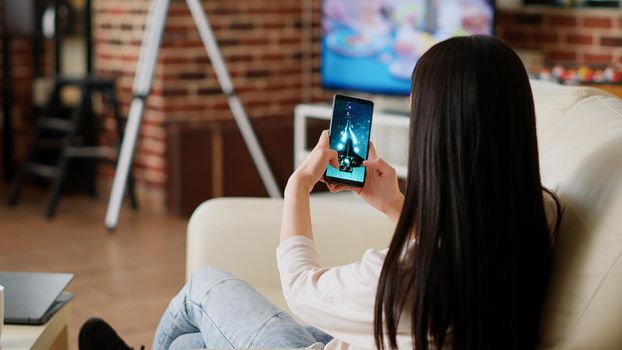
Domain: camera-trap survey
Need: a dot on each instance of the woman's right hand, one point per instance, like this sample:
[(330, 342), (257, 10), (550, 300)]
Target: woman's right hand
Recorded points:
[(381, 188)]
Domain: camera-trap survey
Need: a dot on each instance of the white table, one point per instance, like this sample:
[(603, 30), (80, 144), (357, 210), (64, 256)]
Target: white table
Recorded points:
[(389, 133), (53, 335)]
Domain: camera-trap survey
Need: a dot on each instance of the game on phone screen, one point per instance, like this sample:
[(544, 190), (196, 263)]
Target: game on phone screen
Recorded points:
[(349, 135)]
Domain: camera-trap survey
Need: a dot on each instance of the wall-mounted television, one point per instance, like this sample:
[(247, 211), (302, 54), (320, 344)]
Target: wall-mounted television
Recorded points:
[(373, 45)]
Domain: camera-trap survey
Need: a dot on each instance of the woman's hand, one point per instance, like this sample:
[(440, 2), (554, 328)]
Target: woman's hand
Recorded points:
[(296, 208), (312, 168), (381, 188)]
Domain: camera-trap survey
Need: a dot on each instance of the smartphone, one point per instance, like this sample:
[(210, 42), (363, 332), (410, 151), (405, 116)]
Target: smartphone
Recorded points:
[(350, 128)]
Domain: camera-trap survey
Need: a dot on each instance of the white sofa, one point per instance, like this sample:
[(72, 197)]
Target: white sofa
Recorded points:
[(580, 139)]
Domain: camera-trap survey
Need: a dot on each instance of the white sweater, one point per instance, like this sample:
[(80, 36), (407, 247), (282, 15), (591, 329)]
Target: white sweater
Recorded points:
[(340, 300)]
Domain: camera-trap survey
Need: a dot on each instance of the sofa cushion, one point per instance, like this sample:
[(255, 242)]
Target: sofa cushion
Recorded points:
[(553, 100), (581, 159)]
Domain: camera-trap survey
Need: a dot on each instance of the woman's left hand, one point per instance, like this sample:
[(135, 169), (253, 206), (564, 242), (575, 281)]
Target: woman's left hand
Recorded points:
[(312, 168)]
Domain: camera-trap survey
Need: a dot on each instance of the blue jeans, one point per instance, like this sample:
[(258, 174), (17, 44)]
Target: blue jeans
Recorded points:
[(217, 310)]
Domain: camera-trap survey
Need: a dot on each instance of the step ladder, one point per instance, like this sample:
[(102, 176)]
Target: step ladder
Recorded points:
[(70, 133)]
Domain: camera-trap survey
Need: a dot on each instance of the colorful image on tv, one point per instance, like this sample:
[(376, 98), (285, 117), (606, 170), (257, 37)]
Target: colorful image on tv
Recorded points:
[(373, 45)]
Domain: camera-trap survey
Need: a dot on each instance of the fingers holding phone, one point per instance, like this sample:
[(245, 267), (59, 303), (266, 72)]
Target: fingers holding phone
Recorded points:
[(312, 168), (381, 189), (338, 187)]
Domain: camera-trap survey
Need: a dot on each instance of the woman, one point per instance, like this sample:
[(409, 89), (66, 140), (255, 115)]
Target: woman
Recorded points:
[(469, 261)]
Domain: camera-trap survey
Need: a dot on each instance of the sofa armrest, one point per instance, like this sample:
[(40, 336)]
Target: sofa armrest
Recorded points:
[(240, 235)]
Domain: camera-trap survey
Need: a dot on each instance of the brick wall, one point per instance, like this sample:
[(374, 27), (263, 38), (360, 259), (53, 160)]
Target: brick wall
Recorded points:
[(591, 36), (262, 44)]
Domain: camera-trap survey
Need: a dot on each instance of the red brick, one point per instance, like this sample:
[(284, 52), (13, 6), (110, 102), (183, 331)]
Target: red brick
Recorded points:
[(174, 92), (563, 21), (611, 41), (184, 43), (280, 87), (212, 91), (185, 107), (175, 60), (203, 59), (290, 40), (242, 26), (257, 103), (597, 22), (529, 19), (239, 57), (228, 42), (272, 56), (178, 11), (546, 37), (255, 41), (116, 11), (258, 73), (597, 58), (513, 36), (138, 11), (561, 56), (273, 25), (192, 76), (579, 39), (179, 29), (129, 58)]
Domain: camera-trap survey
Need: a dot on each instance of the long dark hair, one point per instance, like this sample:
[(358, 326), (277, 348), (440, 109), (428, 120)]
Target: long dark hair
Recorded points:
[(470, 258)]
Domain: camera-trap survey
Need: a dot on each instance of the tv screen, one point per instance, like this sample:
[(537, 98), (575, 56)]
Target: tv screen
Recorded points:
[(373, 45)]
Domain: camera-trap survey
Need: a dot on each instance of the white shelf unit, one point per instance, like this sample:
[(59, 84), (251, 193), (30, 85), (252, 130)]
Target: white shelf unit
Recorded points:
[(389, 133)]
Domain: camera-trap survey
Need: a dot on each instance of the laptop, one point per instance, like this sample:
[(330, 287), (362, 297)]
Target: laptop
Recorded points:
[(32, 298)]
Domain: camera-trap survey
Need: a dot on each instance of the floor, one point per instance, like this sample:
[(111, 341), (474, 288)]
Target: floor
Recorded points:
[(126, 277)]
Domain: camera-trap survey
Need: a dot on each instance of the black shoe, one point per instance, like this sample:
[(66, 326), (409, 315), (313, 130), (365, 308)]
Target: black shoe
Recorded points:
[(96, 334)]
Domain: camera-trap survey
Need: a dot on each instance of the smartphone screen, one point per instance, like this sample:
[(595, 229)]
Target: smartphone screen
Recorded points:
[(350, 129)]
